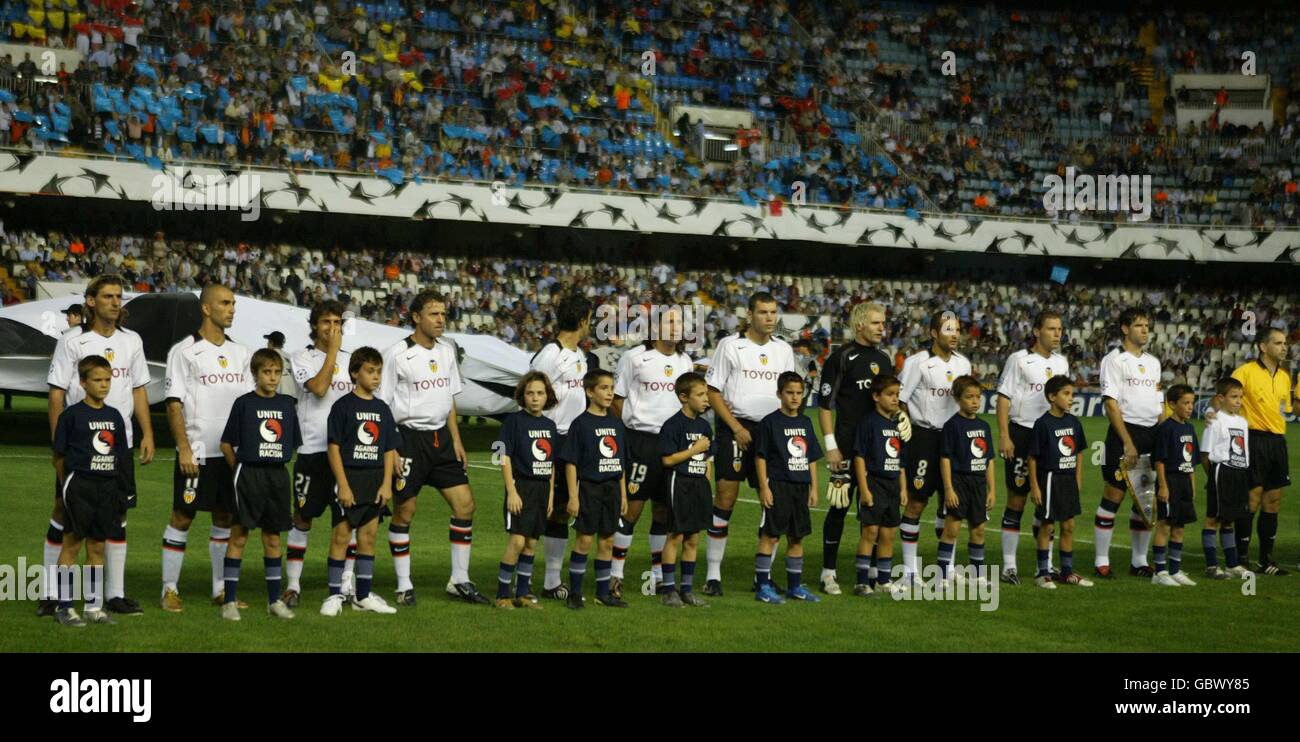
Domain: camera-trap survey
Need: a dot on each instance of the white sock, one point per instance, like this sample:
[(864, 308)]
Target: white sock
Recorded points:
[(218, 540), (401, 558), (1141, 543), (1010, 542), (350, 557), (909, 547), (115, 567), (293, 565), (717, 547), (622, 542), (826, 572), (554, 550), (50, 585), (459, 563), (1102, 536), (938, 522), (657, 541), (173, 556)]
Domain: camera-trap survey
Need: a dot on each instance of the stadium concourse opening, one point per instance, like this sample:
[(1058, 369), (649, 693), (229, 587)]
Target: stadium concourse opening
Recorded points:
[(325, 231)]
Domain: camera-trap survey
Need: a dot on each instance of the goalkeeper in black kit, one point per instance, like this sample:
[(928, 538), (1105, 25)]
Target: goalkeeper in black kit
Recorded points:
[(845, 397)]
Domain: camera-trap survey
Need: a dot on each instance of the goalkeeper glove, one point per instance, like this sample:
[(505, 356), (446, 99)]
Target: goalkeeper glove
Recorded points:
[(837, 491), (904, 424)]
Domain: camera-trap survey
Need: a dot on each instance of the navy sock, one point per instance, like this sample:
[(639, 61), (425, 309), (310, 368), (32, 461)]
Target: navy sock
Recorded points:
[(335, 576), (863, 564), (883, 567), (688, 576), (273, 573), (763, 568), (1158, 556), (505, 574), (945, 557), (1175, 557), (524, 575), (976, 554), (1208, 545), (1067, 563), (365, 568), (793, 571), (603, 567), (577, 572), (65, 586), (670, 578), (1043, 556), (1229, 540), (232, 578)]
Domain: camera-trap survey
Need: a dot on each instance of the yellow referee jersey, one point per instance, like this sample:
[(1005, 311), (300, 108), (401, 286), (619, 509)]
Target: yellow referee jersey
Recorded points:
[(1267, 396)]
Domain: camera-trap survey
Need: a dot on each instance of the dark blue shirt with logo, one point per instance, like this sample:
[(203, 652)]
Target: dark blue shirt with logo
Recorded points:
[(788, 446), (90, 440), (596, 444), (879, 445), (364, 431), (529, 441), (263, 430)]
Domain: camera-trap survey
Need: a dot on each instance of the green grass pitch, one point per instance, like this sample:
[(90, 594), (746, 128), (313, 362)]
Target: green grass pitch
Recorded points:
[(1126, 614)]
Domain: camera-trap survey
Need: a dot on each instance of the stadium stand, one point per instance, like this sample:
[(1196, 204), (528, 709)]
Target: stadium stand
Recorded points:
[(845, 95)]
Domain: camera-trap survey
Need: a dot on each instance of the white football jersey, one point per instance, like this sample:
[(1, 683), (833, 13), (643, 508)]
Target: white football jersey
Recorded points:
[(927, 387), (1023, 378), (746, 373), (565, 368), (124, 350), (419, 383), (646, 380), (1226, 439), (207, 379), (313, 411), (1133, 382)]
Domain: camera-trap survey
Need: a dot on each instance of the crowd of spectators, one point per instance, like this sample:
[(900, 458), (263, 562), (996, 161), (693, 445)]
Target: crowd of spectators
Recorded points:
[(555, 92)]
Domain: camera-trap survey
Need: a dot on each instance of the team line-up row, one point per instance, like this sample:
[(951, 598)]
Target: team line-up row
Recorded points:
[(371, 429)]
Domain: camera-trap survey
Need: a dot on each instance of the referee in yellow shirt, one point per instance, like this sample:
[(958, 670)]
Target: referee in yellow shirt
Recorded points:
[(1268, 395)]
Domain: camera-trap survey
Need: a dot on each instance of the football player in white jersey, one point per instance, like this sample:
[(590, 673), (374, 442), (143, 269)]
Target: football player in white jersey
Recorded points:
[(206, 373), (926, 398), (742, 391), (321, 372), (104, 336), (1130, 390), (1020, 403), (565, 364), (420, 383), (644, 398)]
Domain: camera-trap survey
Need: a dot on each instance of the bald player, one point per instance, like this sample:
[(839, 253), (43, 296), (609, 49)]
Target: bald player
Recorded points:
[(644, 398), (845, 398), (1020, 403), (1267, 383), (206, 373)]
